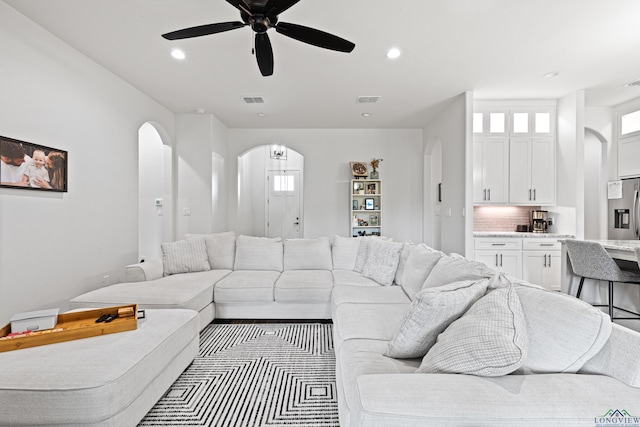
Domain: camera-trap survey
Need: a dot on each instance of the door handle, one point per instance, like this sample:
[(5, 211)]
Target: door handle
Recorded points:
[(545, 260), (529, 194), (534, 194), (497, 260), (635, 217), (489, 192), (500, 260), (485, 195), (549, 261)]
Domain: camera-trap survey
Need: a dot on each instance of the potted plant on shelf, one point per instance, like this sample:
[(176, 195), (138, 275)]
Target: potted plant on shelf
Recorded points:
[(374, 165)]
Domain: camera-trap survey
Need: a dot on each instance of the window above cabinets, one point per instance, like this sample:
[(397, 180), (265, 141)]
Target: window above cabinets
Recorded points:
[(514, 121)]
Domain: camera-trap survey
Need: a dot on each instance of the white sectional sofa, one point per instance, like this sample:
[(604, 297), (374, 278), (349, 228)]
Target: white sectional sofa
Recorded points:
[(421, 337)]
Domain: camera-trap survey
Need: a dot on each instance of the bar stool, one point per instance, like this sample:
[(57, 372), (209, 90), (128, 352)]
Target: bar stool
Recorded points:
[(590, 260)]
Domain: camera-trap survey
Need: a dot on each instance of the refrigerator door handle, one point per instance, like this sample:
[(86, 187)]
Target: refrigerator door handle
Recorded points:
[(636, 211)]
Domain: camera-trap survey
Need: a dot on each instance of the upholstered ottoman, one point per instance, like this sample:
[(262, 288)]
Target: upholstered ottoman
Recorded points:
[(110, 380)]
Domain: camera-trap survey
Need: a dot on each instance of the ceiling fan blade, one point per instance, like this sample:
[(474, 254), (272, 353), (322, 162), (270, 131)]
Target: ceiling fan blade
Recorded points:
[(276, 7), (203, 30), (264, 54), (314, 37), (241, 5)]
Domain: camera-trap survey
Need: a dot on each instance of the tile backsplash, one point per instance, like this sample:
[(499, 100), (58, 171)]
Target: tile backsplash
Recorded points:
[(501, 218)]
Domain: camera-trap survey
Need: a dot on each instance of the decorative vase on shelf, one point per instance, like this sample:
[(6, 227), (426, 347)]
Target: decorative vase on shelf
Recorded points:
[(373, 174)]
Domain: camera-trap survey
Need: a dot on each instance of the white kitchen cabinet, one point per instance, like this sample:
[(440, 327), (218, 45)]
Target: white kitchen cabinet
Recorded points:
[(532, 177), (629, 157), (541, 262), (502, 254), (491, 170)]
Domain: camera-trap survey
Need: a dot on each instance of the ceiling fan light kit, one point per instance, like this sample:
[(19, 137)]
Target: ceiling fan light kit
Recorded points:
[(262, 15)]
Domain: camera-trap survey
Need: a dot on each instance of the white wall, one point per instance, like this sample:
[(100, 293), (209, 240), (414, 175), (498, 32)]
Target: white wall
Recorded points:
[(54, 246), (569, 212), (451, 128), (198, 137), (327, 153)]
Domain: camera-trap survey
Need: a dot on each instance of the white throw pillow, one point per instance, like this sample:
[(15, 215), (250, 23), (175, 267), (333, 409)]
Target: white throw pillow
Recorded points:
[(454, 268), (382, 261), (363, 250), (221, 248), (307, 254), (564, 332), (258, 253), (489, 340), (418, 267), (184, 256), (430, 313), (404, 256), (344, 252)]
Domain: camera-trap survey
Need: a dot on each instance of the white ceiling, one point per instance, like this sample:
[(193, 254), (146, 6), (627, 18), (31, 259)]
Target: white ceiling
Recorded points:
[(500, 49)]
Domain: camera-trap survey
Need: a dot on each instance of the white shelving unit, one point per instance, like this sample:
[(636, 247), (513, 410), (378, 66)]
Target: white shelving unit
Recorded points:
[(366, 207)]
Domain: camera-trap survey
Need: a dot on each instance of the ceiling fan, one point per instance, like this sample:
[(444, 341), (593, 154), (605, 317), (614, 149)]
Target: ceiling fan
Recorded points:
[(262, 15)]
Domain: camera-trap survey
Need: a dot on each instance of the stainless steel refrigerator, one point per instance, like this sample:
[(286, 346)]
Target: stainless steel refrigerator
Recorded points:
[(624, 213)]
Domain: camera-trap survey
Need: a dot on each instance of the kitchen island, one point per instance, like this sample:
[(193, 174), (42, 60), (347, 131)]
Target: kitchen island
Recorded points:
[(626, 295)]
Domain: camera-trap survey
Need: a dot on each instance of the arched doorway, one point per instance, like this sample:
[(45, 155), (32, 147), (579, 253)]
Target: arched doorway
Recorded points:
[(595, 185), (155, 195), (270, 192)]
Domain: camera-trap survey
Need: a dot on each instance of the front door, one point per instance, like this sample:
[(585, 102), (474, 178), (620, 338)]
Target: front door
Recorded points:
[(283, 204)]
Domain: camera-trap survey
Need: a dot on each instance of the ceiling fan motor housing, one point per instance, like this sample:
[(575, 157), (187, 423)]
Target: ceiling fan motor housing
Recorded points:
[(260, 23)]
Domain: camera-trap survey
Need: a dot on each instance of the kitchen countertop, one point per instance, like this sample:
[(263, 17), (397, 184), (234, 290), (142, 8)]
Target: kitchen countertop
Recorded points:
[(620, 245), (521, 234)]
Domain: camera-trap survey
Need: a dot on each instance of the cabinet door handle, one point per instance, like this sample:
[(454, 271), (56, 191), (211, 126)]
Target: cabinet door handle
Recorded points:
[(496, 260), (498, 244), (489, 192), (549, 261), (534, 194), (500, 260), (545, 260), (529, 194), (485, 195), (546, 244)]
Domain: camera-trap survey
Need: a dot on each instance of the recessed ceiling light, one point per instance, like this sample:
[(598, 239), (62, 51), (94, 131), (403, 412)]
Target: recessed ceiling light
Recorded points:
[(393, 53), (261, 114), (550, 75), (178, 54), (366, 114), (200, 110)]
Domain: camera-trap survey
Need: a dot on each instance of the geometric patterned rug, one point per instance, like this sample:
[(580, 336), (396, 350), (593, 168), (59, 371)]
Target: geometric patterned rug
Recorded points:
[(250, 375)]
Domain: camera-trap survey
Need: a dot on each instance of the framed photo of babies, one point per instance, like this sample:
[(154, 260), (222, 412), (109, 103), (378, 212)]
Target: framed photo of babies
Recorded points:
[(31, 166)]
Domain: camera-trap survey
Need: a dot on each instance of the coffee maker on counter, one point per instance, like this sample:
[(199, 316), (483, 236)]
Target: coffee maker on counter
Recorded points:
[(539, 221)]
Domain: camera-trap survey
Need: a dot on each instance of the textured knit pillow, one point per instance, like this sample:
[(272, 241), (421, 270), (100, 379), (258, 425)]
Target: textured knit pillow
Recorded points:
[(418, 267), (454, 268), (363, 250), (489, 340), (431, 311), (382, 261), (184, 256)]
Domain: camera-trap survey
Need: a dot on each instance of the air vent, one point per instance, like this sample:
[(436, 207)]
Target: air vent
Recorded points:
[(253, 100), (367, 99), (634, 83)]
